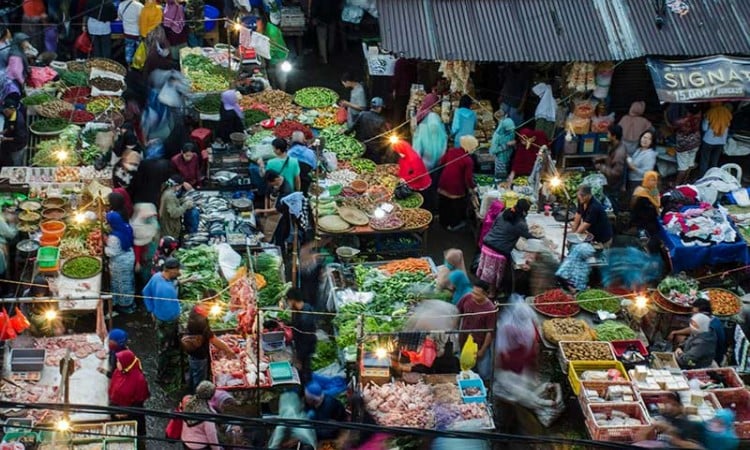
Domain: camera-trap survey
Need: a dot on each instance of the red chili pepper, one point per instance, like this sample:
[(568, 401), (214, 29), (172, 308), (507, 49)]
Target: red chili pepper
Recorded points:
[(285, 129), (556, 303)]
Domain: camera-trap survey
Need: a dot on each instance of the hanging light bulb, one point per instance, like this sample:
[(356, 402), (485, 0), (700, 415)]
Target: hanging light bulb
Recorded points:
[(286, 67), (50, 314), (62, 425), (641, 301)]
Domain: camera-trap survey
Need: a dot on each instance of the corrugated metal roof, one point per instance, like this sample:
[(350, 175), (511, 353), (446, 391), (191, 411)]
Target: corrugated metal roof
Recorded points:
[(710, 27), (502, 30), (559, 30)]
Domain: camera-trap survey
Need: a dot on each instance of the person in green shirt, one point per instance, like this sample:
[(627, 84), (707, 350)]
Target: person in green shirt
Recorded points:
[(283, 164)]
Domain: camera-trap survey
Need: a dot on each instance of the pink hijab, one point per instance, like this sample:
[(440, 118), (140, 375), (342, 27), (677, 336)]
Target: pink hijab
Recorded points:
[(174, 16)]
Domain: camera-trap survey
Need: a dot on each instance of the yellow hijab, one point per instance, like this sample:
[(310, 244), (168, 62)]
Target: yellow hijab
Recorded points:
[(719, 117), (650, 178), (151, 16)]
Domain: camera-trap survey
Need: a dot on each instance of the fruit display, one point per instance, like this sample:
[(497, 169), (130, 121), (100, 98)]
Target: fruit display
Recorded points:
[(67, 174)]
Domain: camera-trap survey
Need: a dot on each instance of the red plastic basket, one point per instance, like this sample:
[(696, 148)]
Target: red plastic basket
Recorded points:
[(601, 388), (729, 374), (738, 400), (616, 433), (620, 347), (655, 397)]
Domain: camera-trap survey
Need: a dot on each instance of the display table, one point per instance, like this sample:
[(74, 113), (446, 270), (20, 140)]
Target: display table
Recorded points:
[(420, 234), (694, 256)]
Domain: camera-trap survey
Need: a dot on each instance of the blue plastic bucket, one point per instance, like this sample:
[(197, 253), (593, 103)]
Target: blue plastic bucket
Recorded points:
[(250, 22), (211, 14)]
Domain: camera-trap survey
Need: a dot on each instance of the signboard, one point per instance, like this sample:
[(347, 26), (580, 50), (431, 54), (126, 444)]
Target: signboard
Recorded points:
[(701, 80)]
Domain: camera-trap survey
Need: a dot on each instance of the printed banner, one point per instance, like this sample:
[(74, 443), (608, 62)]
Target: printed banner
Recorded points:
[(701, 80)]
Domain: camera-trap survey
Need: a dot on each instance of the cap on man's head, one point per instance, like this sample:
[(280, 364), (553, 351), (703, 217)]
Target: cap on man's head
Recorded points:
[(172, 263), (377, 102), (21, 37), (10, 103)]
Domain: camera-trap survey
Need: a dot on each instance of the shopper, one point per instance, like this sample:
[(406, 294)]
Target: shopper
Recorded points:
[(456, 184), (324, 16), (231, 117), (720, 432), (145, 224), (149, 179), (117, 341), (198, 339), (685, 120), (503, 141), (645, 207), (200, 434), (13, 147), (283, 164), (517, 342), (34, 17), (129, 12), (100, 14), (6, 39), (591, 218), (305, 156), (151, 17), (464, 120), (174, 26), (324, 408), (411, 169), (188, 164), (479, 313), (303, 328), (674, 428), (643, 159), (453, 277), (171, 208), (19, 68), (699, 350), (703, 306), (278, 222), (370, 127), (129, 388), (162, 302), (119, 250), (125, 169), (575, 269), (633, 126), (430, 140), (357, 99), (613, 166), (431, 100), (8, 233), (165, 249), (541, 264), (157, 56), (715, 128)]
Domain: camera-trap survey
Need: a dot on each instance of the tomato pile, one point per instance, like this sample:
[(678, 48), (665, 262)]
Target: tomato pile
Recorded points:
[(556, 303)]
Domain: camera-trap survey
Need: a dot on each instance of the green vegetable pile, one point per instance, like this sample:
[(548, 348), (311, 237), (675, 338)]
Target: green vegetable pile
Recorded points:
[(325, 355), (75, 78), (269, 266), (346, 323), (253, 116), (208, 104), (202, 261), (257, 137), (204, 74), (611, 330), (49, 125), (81, 267), (484, 180), (315, 97), (344, 146), (197, 62), (362, 165), (571, 181), (414, 200), (594, 300), (38, 98), (677, 285), (46, 151)]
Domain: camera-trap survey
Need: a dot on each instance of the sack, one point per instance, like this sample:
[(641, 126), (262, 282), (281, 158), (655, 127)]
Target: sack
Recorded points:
[(139, 58), (341, 115), (190, 343), (19, 322), (83, 43)]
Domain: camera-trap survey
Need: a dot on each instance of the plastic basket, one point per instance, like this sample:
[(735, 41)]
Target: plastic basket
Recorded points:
[(655, 397), (210, 14), (620, 347), (562, 355), (737, 400), (601, 388), (664, 360), (280, 370), (120, 444), (25, 437), (729, 374), (472, 383), (576, 368), (616, 433), (47, 257)]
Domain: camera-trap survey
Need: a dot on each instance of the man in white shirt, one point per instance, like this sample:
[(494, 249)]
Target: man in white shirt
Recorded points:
[(100, 13), (129, 12)]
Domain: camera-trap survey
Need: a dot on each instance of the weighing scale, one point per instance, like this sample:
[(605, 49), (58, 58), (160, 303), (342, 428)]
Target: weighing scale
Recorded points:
[(374, 369), (26, 364), (346, 254)]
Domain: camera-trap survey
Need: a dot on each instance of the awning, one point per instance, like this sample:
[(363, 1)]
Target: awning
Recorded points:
[(701, 80), (561, 30)]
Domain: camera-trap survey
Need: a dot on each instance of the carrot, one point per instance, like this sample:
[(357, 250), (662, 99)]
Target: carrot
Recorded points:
[(411, 265)]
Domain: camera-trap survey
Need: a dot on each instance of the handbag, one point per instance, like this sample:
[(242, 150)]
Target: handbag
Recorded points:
[(173, 430), (83, 43), (139, 58)]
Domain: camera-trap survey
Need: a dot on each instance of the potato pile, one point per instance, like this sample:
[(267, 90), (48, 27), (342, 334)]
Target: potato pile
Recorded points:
[(556, 330), (586, 351)]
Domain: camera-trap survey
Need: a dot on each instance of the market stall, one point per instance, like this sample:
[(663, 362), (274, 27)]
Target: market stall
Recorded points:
[(119, 435)]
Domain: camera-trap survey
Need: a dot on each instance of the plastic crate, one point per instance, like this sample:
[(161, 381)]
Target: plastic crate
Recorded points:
[(738, 400), (47, 257), (120, 444), (280, 371), (563, 357), (620, 347), (576, 368), (664, 360), (26, 437), (616, 433), (601, 388), (655, 397), (472, 383), (729, 374)]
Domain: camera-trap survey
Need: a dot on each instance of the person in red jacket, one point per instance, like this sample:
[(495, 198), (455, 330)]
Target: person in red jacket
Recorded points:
[(456, 183), (188, 164), (411, 169)]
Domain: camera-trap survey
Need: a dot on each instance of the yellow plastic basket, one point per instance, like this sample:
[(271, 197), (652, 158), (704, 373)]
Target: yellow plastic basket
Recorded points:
[(576, 368)]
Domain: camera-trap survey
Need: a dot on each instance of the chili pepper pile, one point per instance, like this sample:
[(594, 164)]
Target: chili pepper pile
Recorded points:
[(556, 303), (77, 116), (285, 129)]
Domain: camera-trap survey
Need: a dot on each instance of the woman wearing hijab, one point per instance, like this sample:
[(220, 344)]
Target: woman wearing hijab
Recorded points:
[(720, 431), (151, 17), (145, 226), (715, 128), (198, 434), (129, 387), (117, 341), (452, 275), (174, 26), (503, 140), (430, 140), (645, 206), (575, 269), (698, 351), (18, 68), (8, 88), (464, 120), (230, 115), (456, 183), (157, 52), (642, 160), (411, 169), (125, 169), (119, 250), (634, 125), (517, 342)]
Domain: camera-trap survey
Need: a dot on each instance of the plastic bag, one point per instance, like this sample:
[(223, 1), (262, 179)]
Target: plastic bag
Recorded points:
[(19, 322), (469, 354), (341, 115), (155, 150), (6, 328), (600, 124), (169, 96), (139, 58), (83, 43)]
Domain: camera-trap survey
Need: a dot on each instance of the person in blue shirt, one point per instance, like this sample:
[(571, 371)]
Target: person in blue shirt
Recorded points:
[(464, 121), (453, 276), (703, 306), (307, 159), (160, 298), (321, 406)]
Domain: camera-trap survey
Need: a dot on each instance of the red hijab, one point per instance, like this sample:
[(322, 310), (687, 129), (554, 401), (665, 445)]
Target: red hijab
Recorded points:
[(411, 168), (128, 386)]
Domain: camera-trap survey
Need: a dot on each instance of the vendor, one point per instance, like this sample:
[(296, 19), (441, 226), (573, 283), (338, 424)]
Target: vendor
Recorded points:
[(456, 184), (303, 328), (171, 209), (643, 159), (575, 269), (13, 141), (479, 314), (452, 275), (591, 218), (322, 407), (277, 188), (699, 350), (231, 117), (370, 127), (188, 164), (283, 164), (524, 156), (612, 166), (126, 168), (200, 434), (703, 306), (357, 99), (8, 232), (645, 207), (197, 340)]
